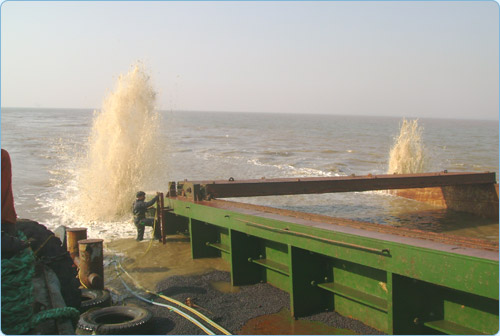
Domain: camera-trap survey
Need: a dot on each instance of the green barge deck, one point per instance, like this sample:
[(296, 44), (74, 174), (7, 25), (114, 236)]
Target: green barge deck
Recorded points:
[(397, 280)]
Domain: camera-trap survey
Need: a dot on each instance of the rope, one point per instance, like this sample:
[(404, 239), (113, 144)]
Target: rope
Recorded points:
[(62, 312), (81, 282), (152, 238), (43, 244), (17, 295)]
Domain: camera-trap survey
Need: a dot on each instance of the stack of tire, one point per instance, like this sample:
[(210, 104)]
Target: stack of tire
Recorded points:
[(98, 317), (115, 320)]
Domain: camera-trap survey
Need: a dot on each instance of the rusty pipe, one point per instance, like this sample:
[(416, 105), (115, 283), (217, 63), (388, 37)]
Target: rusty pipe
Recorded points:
[(91, 270)]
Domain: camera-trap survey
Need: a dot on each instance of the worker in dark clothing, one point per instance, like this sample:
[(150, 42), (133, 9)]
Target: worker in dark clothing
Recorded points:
[(139, 209)]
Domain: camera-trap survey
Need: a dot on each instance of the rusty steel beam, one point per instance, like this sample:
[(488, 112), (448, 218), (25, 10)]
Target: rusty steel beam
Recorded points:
[(199, 190)]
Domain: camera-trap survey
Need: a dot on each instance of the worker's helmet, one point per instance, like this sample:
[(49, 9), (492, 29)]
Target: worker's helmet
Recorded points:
[(140, 194)]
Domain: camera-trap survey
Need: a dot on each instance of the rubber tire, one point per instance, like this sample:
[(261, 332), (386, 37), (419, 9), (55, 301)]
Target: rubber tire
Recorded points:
[(94, 298), (54, 256), (135, 320)]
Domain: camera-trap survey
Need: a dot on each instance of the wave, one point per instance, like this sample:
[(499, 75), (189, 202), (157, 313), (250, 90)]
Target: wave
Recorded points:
[(286, 169), (294, 171), (277, 153), (330, 151)]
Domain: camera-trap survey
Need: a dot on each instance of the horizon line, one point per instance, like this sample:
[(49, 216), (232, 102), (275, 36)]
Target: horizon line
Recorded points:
[(260, 112)]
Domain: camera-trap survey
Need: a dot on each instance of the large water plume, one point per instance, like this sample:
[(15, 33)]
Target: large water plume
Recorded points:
[(407, 156), (122, 153)]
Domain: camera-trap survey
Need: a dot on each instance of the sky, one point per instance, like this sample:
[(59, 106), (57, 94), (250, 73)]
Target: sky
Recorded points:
[(394, 58)]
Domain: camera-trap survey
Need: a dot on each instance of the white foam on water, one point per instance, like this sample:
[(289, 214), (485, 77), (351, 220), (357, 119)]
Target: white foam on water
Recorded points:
[(285, 169), (294, 171)]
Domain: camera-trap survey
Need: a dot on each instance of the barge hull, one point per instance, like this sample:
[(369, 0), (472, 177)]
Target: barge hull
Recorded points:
[(397, 283)]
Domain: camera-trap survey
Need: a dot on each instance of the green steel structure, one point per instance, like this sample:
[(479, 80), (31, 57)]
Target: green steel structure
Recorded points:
[(400, 281)]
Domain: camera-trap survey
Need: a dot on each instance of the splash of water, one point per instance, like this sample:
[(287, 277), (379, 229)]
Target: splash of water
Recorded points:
[(122, 153), (407, 156)]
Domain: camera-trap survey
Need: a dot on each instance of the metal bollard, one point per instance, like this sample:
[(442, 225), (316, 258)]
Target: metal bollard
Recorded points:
[(73, 235), (91, 271)]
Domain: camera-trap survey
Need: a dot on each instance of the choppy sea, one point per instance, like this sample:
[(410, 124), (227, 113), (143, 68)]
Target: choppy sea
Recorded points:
[(47, 145)]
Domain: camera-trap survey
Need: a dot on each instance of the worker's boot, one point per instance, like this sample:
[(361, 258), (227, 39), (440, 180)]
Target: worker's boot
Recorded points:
[(140, 234), (140, 231)]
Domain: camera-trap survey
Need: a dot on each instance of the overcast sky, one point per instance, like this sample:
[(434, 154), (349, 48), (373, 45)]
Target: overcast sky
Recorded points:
[(407, 59)]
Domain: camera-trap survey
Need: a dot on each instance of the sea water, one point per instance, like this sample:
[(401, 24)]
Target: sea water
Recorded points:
[(79, 167)]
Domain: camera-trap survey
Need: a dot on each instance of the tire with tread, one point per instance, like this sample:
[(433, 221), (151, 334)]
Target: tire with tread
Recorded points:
[(94, 298), (117, 320), (50, 251)]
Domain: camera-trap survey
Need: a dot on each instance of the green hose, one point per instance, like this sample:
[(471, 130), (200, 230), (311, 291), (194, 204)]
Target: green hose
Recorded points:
[(17, 295)]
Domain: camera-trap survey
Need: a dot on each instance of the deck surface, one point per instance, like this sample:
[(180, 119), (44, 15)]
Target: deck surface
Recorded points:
[(438, 241)]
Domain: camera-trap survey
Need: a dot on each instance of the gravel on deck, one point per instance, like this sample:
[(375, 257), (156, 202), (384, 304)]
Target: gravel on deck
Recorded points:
[(231, 310)]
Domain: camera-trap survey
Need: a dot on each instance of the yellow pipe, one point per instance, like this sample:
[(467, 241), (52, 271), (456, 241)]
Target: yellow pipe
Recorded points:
[(194, 311)]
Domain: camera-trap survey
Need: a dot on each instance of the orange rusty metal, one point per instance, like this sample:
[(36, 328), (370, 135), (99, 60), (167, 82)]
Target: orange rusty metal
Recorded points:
[(198, 190), (73, 235), (91, 270), (478, 199)]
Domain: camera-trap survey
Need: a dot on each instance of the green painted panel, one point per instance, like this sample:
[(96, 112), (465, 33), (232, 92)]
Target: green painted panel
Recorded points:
[(362, 278), (224, 236), (452, 328), (225, 240), (413, 304), (355, 295), (475, 312), (368, 315), (226, 257), (174, 223), (273, 265), (275, 251), (201, 233), (390, 305), (277, 279), (306, 267), (243, 247)]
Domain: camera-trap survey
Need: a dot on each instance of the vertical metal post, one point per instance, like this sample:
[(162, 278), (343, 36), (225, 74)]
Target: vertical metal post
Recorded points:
[(161, 220), (244, 247), (306, 271), (91, 271), (200, 234), (390, 307), (73, 235)]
